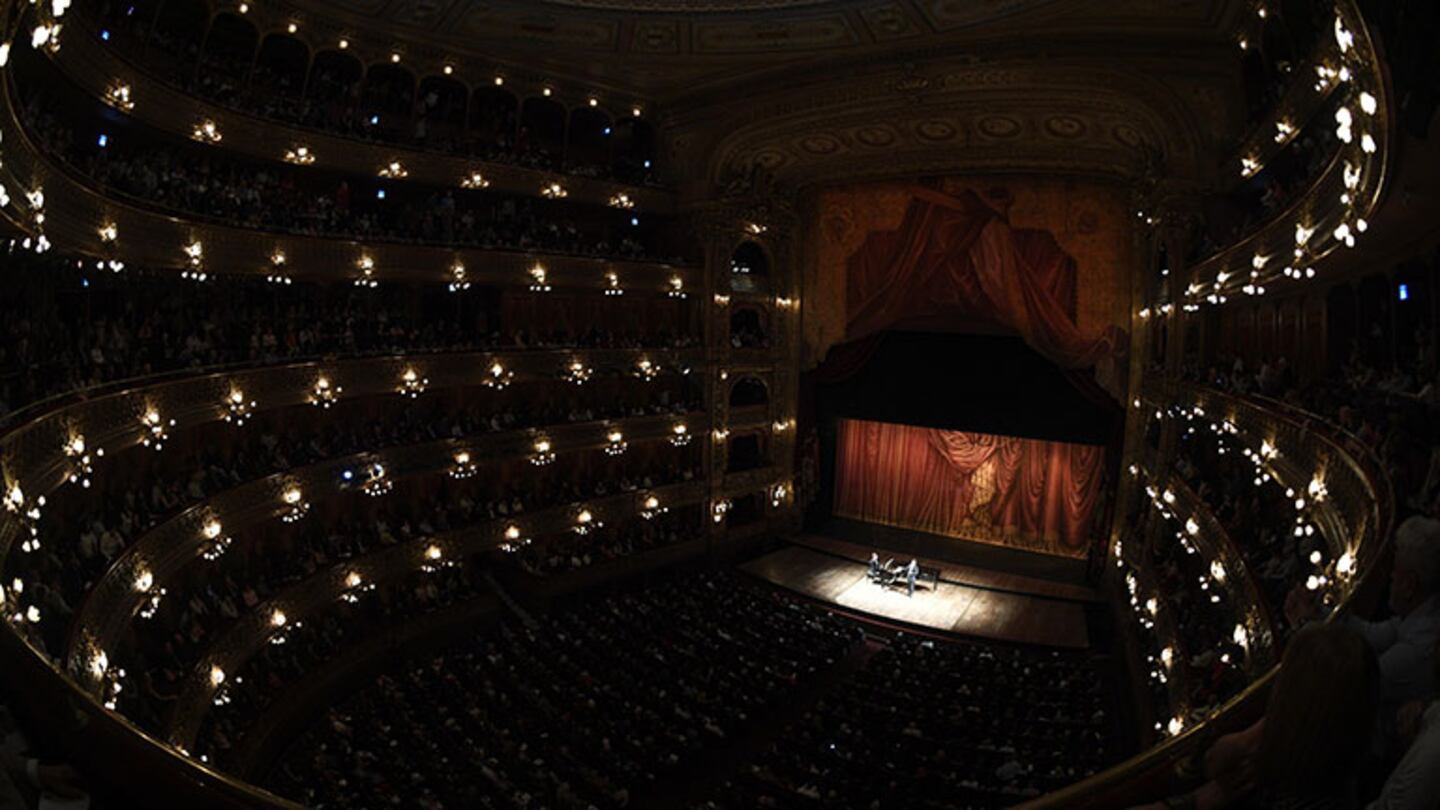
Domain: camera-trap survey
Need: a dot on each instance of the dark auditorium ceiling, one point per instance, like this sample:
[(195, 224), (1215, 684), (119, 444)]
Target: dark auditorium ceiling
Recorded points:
[(810, 90), (666, 49)]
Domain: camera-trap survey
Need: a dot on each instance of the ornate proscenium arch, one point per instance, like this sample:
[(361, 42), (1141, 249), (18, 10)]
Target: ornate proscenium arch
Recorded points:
[(959, 116)]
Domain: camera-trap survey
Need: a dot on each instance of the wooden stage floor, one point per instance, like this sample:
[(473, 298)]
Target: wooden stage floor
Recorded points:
[(953, 607)]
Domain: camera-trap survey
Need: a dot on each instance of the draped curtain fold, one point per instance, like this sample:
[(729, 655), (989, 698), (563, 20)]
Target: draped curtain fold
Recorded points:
[(955, 264), (1025, 493)]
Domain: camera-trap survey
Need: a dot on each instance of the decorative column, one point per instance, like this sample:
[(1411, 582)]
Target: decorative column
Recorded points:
[(723, 227)]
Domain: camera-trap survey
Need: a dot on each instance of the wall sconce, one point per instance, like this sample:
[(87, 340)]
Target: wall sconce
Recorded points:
[(394, 170), (679, 435), (458, 281), (367, 273), (474, 180), (156, 429), (300, 156), (118, 96), (1345, 565), (612, 283), (782, 425), (216, 541), (377, 481), (553, 191), (755, 228), (435, 559), (237, 410), (498, 378), (537, 279), (1343, 37), (577, 373), (646, 370), (464, 465), (719, 509), (29, 516), (355, 587), (279, 620), (677, 287), (412, 385), (616, 443), (324, 394), (514, 540), (152, 604), (721, 434), (295, 504), (109, 233), (206, 132), (543, 453), (622, 201), (778, 495), (81, 464), (586, 523), (722, 300), (652, 508)]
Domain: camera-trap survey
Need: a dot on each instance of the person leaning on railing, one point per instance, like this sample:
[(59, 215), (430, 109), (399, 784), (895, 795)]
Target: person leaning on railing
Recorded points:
[(22, 777), (1297, 757), (1404, 642)]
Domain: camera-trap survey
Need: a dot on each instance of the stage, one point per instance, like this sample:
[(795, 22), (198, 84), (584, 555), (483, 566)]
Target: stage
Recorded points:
[(969, 601)]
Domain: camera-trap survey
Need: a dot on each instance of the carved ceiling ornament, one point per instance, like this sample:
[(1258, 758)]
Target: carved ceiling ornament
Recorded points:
[(650, 47), (1081, 120)]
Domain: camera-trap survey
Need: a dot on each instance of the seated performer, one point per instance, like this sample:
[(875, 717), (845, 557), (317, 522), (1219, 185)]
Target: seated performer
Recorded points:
[(874, 572), (912, 572)]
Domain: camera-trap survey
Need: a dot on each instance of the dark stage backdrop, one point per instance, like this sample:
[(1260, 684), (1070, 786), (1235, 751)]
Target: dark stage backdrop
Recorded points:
[(1021, 493)]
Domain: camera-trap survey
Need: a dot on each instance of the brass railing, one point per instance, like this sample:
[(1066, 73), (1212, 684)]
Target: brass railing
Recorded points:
[(110, 606), (74, 214), (98, 67), (253, 631), (1354, 518)]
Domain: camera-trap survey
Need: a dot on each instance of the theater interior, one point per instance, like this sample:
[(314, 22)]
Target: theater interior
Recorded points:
[(719, 404)]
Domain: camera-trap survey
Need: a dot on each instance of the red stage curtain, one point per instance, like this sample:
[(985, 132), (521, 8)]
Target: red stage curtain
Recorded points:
[(1026, 493), (955, 264)]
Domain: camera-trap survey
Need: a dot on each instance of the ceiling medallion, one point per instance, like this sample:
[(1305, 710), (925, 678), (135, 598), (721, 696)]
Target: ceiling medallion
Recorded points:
[(875, 136), (1064, 126), (691, 6), (1127, 135), (935, 130), (999, 126), (820, 145)]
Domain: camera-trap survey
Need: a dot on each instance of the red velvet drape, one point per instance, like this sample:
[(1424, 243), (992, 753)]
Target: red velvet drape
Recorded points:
[(955, 264), (1026, 493)]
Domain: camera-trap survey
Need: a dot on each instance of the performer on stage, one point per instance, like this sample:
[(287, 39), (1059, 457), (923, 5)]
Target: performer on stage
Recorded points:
[(912, 572), (874, 572)]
